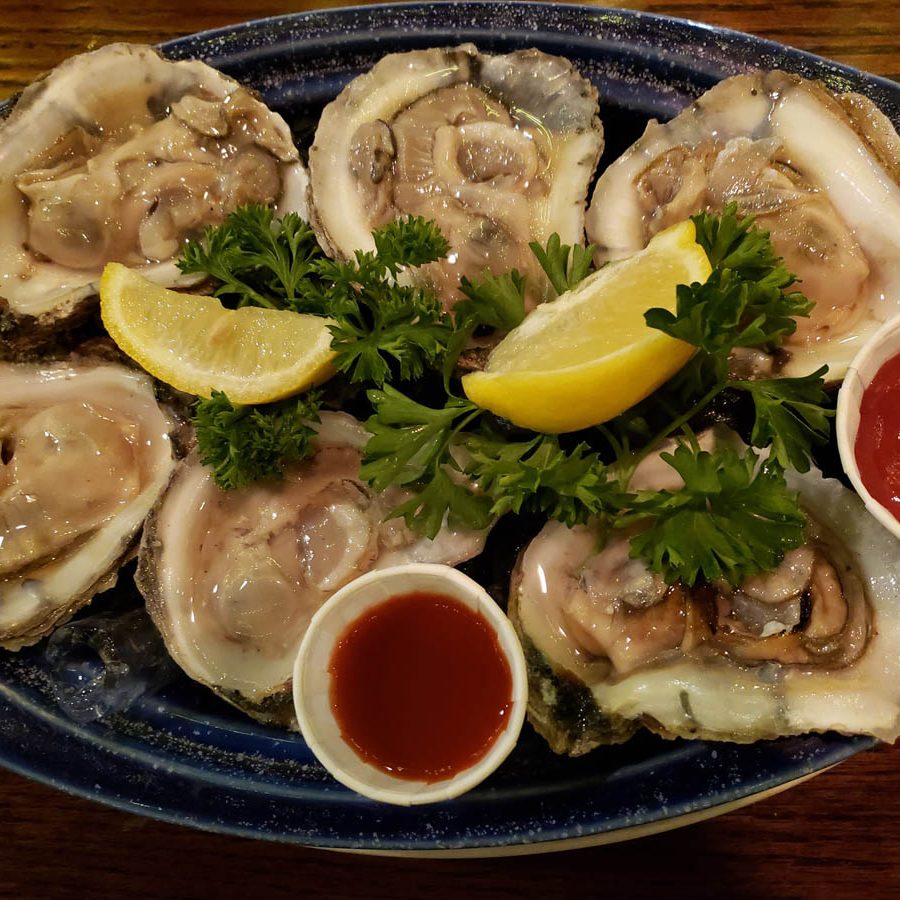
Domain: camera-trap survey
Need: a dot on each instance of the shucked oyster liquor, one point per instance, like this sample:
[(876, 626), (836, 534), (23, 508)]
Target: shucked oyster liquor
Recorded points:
[(820, 171), (812, 646), (232, 579), (120, 155), (497, 150), (84, 455)]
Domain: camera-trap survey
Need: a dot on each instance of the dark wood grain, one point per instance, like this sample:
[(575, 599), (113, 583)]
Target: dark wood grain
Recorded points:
[(835, 836), (34, 37)]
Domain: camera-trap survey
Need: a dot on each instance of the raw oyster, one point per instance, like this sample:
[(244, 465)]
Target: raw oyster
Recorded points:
[(814, 646), (120, 155), (233, 578), (84, 454), (498, 150), (821, 172)]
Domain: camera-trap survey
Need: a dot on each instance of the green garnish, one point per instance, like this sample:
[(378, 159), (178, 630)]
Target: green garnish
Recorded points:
[(735, 515), (790, 416), (409, 438), (244, 444), (539, 476), (744, 302), (429, 449), (384, 330), (497, 301), (745, 306), (261, 261), (734, 518), (564, 274), (258, 260)]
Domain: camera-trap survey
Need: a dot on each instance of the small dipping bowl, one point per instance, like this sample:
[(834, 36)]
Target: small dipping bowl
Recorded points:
[(881, 347), (313, 681)]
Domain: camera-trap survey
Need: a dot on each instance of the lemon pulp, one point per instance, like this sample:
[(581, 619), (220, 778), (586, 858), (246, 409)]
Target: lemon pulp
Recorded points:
[(195, 344), (589, 355)]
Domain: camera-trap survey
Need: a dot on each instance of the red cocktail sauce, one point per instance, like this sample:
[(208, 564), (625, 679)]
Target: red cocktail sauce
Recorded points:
[(877, 447), (420, 687)]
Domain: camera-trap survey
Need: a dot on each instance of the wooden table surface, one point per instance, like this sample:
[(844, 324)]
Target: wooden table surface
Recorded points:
[(837, 835)]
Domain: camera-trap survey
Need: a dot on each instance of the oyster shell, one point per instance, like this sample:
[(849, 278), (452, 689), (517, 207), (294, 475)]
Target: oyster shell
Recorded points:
[(84, 455), (814, 646), (231, 579), (498, 150), (120, 155), (821, 172)]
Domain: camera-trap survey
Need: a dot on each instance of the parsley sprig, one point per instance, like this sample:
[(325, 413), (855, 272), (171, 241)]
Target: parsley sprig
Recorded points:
[(564, 273), (790, 416), (256, 259), (244, 444), (381, 327), (463, 468), (746, 302), (735, 515)]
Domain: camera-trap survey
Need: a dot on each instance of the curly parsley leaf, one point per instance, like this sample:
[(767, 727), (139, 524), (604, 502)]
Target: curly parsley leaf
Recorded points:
[(733, 243), (564, 274), (244, 444), (258, 260), (790, 415), (409, 242), (431, 452), (539, 476), (497, 301), (408, 439), (735, 517), (412, 446), (744, 302), (380, 325), (439, 497), (728, 311)]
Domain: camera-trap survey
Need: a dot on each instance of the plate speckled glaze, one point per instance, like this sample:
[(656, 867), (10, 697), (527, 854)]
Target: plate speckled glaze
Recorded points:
[(182, 756)]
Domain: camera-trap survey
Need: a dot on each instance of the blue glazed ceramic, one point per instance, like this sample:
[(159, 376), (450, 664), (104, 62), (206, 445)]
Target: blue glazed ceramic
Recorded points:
[(180, 755)]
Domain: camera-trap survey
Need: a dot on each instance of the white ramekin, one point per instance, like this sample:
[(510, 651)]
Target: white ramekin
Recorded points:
[(312, 681), (878, 349)]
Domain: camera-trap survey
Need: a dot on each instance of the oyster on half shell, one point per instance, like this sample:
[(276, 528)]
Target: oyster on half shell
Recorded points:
[(813, 646), (497, 150), (120, 155), (820, 171), (231, 579), (84, 454)]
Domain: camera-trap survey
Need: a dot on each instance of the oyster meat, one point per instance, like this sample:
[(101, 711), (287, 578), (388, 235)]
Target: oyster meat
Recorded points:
[(820, 171), (85, 453), (233, 578), (120, 155), (498, 150), (812, 646)]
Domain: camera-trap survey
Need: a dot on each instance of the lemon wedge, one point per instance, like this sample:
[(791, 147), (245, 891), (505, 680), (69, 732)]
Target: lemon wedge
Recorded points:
[(195, 344), (588, 355)]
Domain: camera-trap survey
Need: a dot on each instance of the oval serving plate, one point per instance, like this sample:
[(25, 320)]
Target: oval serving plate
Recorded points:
[(182, 756)]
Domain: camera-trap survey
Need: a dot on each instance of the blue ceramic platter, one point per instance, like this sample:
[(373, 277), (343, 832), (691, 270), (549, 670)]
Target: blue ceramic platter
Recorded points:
[(180, 755)]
